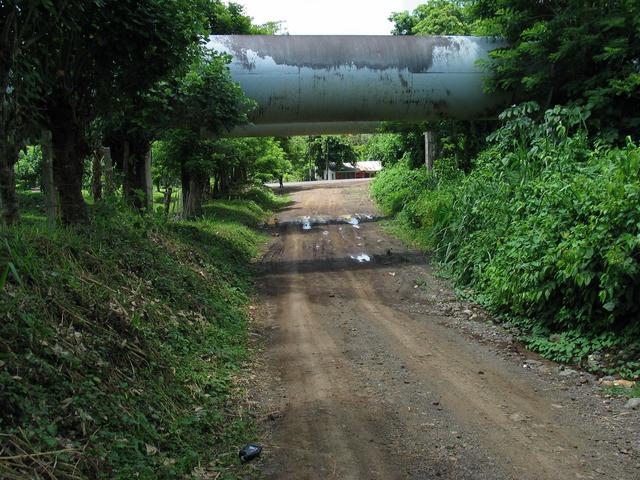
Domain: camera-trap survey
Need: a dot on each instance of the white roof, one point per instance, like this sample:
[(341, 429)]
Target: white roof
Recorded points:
[(369, 166)]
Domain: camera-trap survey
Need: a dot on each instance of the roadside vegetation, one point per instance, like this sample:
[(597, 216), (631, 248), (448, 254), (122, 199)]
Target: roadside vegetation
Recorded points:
[(127, 240), (544, 230), (122, 340), (536, 216)]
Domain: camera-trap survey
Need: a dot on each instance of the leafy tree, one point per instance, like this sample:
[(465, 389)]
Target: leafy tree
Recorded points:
[(23, 25), (435, 17), (202, 98), (272, 162), (111, 49), (135, 121), (295, 149), (229, 19), (328, 151), (164, 173), (570, 51), (230, 162), (384, 147), (205, 99), (409, 143), (144, 118), (187, 157), (403, 23)]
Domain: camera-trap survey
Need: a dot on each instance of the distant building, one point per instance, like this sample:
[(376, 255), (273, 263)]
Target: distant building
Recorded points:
[(368, 169)]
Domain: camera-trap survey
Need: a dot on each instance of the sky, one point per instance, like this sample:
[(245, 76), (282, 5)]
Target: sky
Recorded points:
[(330, 17)]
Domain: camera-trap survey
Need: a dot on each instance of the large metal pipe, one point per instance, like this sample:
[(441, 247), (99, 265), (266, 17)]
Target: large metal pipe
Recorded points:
[(337, 79)]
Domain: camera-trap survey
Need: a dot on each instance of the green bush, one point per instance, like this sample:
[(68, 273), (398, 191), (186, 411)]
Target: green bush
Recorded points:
[(399, 185), (546, 230)]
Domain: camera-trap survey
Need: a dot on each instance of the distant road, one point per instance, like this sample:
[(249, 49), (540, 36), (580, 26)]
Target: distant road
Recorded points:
[(320, 183)]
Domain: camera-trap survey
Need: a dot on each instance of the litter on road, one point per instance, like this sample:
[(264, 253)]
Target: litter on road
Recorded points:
[(249, 452)]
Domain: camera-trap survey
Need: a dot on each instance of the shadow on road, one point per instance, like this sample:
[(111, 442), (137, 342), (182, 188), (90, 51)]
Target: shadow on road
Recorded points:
[(340, 264)]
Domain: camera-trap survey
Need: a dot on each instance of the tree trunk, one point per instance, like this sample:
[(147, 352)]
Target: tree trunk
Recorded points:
[(69, 150), (126, 188), (8, 196), (223, 186), (50, 196), (148, 180), (216, 184), (192, 194), (96, 178), (9, 122), (167, 200), (207, 189), (109, 180), (137, 186)]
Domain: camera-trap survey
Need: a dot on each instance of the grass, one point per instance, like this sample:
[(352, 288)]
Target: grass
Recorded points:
[(122, 343)]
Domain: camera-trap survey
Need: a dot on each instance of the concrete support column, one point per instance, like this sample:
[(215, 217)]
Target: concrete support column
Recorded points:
[(429, 150)]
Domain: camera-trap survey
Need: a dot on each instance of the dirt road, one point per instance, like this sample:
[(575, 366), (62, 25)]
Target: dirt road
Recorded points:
[(373, 370)]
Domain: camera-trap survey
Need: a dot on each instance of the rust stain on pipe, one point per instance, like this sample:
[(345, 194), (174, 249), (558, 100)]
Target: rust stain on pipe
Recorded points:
[(318, 52)]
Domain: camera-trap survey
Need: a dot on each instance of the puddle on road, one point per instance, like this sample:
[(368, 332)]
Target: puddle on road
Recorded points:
[(307, 222), (354, 221), (363, 257)]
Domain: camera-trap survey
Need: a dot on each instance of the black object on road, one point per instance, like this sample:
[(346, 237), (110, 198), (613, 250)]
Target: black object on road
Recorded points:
[(249, 452)]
